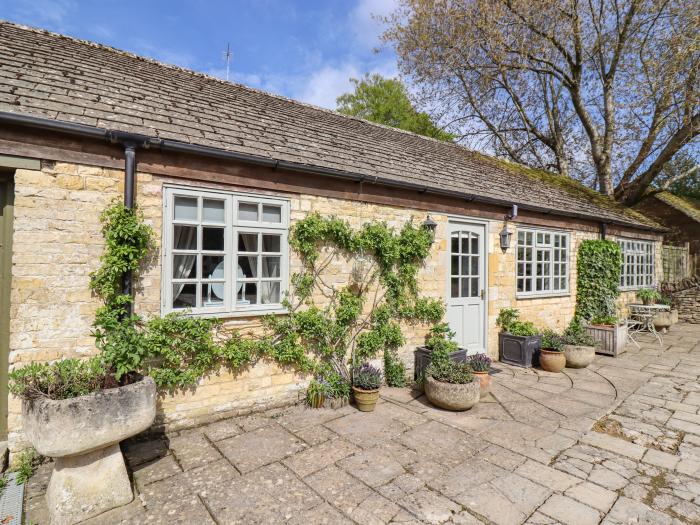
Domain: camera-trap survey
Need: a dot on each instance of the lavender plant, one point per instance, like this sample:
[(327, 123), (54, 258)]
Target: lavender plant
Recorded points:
[(480, 363), (366, 377)]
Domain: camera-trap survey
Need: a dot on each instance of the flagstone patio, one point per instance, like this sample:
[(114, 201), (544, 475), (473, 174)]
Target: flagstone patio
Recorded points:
[(616, 443)]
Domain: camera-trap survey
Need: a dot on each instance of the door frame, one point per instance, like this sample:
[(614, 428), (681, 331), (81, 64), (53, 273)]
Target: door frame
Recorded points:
[(6, 229), (474, 221)]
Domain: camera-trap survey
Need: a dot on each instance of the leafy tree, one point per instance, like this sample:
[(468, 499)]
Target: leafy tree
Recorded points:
[(386, 101), (681, 175), (604, 90)]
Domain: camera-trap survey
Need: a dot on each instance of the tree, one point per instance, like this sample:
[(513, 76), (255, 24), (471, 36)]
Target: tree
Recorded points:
[(386, 101), (681, 175), (602, 90)]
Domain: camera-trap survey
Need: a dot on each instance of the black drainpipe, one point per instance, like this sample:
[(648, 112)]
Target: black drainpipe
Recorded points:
[(603, 230), (129, 193)]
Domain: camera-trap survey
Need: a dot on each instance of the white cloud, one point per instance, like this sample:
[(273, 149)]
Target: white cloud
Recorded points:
[(366, 20), (53, 13)]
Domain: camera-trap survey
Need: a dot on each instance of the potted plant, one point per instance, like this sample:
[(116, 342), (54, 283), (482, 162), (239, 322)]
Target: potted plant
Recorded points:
[(609, 332), (648, 296), (579, 347), (552, 352), (451, 385), (366, 380), (480, 365), (77, 413), (518, 340), (439, 339)]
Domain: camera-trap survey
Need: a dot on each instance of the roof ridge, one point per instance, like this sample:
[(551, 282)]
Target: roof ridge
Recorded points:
[(206, 76)]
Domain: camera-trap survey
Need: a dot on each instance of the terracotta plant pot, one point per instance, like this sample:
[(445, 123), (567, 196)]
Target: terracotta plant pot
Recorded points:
[(552, 361), (366, 399), (83, 435), (484, 382), (452, 396), (579, 356)]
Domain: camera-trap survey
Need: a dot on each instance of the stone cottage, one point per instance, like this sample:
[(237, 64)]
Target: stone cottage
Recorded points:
[(220, 171)]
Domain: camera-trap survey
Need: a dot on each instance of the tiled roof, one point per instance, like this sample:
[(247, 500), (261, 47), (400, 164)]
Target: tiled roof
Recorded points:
[(56, 77), (689, 207)]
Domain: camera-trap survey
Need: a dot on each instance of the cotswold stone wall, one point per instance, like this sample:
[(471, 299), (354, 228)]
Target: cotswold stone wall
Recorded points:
[(58, 242), (685, 296)]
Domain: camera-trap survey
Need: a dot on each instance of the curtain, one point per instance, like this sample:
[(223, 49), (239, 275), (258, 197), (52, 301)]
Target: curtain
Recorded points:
[(183, 237), (271, 267)]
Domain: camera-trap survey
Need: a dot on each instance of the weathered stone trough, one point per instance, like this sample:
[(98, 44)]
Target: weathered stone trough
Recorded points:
[(83, 435)]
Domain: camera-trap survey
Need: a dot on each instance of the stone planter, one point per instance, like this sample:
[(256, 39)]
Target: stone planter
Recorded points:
[(612, 339), (484, 382), (422, 357), (83, 435), (518, 349), (662, 321), (452, 396), (552, 360), (674, 315), (366, 399), (579, 356)]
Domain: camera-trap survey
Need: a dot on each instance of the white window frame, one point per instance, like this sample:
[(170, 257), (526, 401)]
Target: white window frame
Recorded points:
[(547, 248), (232, 226), (637, 249)]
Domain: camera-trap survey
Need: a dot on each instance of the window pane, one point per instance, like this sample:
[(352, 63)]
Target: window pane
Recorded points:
[(186, 209), (213, 211), (272, 243), (455, 242), (184, 295), (475, 244), (247, 242), (465, 243), (248, 267), (464, 292), (454, 266), (247, 211), (475, 287), (212, 267), (454, 288), (247, 293), (185, 267), (271, 266), (521, 285), (212, 294), (184, 237), (213, 239), (475, 265), (272, 213), (465, 265), (270, 292)]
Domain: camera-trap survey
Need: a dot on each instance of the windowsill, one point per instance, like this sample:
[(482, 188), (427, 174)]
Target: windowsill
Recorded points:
[(230, 315), (521, 297)]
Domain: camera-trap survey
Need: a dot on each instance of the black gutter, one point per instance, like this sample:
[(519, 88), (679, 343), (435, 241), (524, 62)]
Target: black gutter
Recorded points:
[(165, 145), (129, 198)]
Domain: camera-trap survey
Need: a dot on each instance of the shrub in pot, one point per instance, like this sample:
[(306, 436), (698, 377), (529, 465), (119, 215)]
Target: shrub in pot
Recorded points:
[(610, 333), (366, 380), (328, 389), (552, 352), (77, 413), (518, 340), (451, 385), (579, 347), (438, 341), (480, 365), (648, 296)]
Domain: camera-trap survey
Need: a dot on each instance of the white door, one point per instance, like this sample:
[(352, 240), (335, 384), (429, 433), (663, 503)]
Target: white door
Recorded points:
[(466, 285)]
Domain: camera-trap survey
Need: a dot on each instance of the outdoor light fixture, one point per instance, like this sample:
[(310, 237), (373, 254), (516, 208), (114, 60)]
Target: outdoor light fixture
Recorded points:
[(506, 234), (429, 224)]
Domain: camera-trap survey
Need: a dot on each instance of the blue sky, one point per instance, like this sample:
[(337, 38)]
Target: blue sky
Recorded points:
[(304, 49)]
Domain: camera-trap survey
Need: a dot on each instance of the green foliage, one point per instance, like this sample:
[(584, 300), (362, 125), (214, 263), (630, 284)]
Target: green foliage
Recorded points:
[(509, 323), (440, 341), (394, 369), (26, 465), (604, 320), (648, 295), (480, 363), (386, 101), (60, 380), (686, 186), (552, 341), (448, 371), (577, 336), (366, 377), (598, 267)]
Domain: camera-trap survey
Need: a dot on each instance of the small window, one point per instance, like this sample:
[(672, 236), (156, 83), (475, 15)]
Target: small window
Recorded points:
[(637, 270), (224, 252), (542, 263)]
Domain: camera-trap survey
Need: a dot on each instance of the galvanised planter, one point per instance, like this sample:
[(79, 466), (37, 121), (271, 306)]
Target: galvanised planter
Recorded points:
[(518, 350), (422, 357)]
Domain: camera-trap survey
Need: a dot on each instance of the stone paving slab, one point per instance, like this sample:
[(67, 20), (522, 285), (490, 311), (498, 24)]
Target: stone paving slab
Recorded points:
[(616, 443)]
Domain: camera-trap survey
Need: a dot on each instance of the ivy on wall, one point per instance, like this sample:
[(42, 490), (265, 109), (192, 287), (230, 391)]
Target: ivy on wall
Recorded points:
[(597, 287), (325, 332)]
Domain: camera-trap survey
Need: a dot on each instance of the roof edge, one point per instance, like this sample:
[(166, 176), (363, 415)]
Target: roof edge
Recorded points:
[(166, 145)]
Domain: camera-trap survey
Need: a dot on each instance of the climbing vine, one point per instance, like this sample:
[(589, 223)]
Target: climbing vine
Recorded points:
[(598, 269), (327, 329)]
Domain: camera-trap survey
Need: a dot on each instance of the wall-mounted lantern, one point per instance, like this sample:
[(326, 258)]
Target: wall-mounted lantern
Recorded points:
[(506, 234), (429, 224)]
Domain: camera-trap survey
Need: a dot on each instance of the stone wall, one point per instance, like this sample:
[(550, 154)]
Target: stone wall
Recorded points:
[(685, 296), (58, 242)]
